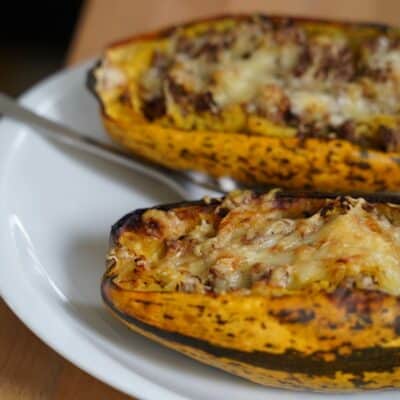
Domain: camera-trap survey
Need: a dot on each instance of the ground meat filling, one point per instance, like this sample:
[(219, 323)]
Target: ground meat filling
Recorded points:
[(258, 244), (322, 85)]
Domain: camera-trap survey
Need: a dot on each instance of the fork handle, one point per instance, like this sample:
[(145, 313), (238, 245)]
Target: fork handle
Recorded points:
[(66, 135)]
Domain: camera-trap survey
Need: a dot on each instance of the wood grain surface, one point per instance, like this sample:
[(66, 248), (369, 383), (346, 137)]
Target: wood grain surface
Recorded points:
[(105, 21), (29, 370)]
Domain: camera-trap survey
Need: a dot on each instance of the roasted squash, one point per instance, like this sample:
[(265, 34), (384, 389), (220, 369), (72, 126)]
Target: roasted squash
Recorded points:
[(268, 100), (299, 293)]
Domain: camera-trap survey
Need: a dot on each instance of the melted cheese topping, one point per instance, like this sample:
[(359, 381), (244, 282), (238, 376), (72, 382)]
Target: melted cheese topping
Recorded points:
[(324, 79), (261, 244), (263, 76)]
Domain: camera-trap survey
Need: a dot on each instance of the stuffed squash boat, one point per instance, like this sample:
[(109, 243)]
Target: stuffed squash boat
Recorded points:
[(296, 292), (269, 100)]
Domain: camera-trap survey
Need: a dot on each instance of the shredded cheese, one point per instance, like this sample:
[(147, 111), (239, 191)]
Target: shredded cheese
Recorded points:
[(258, 245)]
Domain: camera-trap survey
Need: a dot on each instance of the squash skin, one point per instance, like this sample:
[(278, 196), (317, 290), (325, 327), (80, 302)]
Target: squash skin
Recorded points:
[(347, 340), (284, 162), (290, 163)]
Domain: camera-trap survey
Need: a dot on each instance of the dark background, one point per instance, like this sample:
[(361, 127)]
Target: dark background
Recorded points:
[(34, 40)]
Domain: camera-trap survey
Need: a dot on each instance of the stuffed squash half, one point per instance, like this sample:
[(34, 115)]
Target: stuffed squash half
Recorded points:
[(269, 100), (288, 292)]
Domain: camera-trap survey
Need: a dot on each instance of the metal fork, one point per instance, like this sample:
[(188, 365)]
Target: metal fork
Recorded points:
[(178, 180), (64, 134)]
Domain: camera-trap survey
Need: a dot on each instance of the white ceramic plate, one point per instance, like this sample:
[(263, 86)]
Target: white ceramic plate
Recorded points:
[(57, 207)]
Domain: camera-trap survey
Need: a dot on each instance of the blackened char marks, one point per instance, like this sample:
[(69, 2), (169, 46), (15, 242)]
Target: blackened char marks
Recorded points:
[(154, 108), (357, 302), (129, 221), (389, 138), (204, 102), (292, 316)]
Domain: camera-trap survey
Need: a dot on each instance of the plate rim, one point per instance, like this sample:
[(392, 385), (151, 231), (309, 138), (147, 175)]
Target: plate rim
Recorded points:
[(142, 387)]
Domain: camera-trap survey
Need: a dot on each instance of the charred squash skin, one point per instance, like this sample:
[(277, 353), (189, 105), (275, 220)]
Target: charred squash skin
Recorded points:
[(290, 163), (346, 340), (285, 162)]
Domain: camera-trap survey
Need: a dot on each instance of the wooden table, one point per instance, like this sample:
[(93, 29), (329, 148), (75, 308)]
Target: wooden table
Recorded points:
[(104, 21), (29, 370)]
